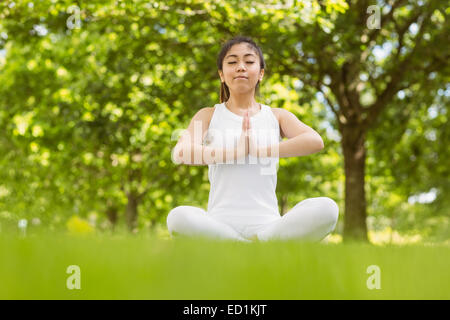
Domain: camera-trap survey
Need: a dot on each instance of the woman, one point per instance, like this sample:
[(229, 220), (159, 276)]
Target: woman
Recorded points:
[(241, 141)]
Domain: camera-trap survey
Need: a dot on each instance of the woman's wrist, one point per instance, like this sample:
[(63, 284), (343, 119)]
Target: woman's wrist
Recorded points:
[(214, 155)]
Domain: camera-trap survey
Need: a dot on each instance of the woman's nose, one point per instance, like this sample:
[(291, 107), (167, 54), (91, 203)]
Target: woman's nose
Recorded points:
[(241, 65)]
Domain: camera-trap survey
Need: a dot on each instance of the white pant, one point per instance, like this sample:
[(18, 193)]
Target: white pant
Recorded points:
[(311, 219)]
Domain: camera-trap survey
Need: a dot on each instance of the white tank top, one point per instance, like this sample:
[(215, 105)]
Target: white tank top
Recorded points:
[(248, 188)]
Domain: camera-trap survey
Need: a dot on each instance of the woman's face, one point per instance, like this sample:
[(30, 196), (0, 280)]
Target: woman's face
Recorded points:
[(240, 69)]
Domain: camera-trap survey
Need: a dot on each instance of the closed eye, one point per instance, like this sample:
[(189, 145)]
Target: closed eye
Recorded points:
[(235, 62)]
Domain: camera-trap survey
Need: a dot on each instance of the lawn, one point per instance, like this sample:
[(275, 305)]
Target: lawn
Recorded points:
[(147, 267)]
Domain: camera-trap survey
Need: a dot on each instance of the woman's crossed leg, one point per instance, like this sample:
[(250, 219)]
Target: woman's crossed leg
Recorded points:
[(311, 219), (194, 221)]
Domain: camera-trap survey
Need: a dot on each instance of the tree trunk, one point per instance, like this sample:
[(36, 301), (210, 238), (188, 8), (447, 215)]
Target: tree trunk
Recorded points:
[(283, 204), (131, 213), (353, 140), (112, 214)]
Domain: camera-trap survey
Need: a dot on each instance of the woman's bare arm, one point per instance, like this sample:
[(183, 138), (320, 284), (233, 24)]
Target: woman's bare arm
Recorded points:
[(190, 149), (301, 140)]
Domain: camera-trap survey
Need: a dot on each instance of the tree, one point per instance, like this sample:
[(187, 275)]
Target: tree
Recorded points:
[(339, 59)]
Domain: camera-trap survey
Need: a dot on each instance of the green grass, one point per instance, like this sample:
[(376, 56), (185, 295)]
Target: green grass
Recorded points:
[(145, 267)]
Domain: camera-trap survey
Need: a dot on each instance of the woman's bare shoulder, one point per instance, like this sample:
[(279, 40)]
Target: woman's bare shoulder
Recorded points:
[(204, 114), (207, 113), (276, 112)]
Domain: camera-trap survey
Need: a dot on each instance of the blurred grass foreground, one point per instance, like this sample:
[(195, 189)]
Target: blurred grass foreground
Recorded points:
[(126, 266)]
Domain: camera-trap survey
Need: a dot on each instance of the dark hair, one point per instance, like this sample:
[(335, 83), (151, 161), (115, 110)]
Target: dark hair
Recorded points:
[(224, 90)]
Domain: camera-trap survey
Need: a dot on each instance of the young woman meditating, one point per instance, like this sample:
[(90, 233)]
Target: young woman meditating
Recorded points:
[(241, 142)]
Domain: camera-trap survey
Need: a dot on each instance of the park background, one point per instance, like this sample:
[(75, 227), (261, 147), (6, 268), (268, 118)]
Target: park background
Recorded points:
[(93, 94)]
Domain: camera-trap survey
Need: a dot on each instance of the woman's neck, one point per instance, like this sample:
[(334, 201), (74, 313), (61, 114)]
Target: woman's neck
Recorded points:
[(242, 104)]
